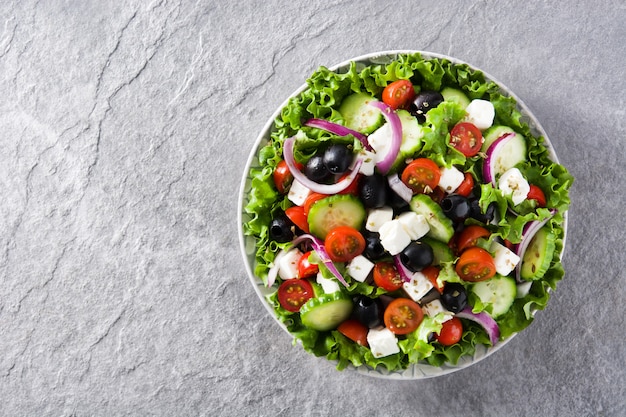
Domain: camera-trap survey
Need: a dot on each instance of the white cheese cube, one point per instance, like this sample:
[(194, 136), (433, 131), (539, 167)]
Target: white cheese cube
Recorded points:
[(418, 287), (414, 224), (359, 268), (369, 163), (328, 285), (298, 193), (504, 259), (380, 141), (382, 342), (513, 183), (393, 237), (450, 179), (435, 307), (377, 217), (288, 264), (480, 113)]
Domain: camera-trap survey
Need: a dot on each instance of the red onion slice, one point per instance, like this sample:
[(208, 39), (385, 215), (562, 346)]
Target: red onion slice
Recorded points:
[(328, 189), (485, 320), (396, 135), (318, 247), (405, 274), (489, 165), (273, 272), (530, 230), (339, 130), (400, 188)]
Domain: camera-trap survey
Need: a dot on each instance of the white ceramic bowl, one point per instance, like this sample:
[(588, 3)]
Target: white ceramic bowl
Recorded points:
[(247, 243)]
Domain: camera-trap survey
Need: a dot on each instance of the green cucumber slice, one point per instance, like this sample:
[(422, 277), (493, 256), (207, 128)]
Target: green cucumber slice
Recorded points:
[(441, 227), (498, 292), (441, 252), (455, 95), (326, 312), (334, 211), (538, 255), (359, 115)]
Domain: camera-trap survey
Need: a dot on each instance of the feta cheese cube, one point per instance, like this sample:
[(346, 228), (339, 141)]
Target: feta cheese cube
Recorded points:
[(450, 179), (369, 163), (298, 193), (414, 224), (513, 183), (328, 285), (382, 342), (393, 237), (359, 268), (288, 264), (435, 307), (504, 259), (480, 113), (418, 287), (380, 141), (377, 217)]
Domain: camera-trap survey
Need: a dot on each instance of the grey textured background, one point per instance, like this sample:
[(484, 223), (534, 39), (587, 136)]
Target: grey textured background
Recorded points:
[(124, 129)]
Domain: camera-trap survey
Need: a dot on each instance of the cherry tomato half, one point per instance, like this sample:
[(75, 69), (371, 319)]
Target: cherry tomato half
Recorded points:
[(310, 200), (293, 293), (402, 316), (475, 264), (468, 237), (353, 188), (354, 330), (421, 175), (305, 268), (466, 138), (282, 177), (297, 217), (398, 94), (432, 273), (386, 276), (536, 194), (466, 186), (344, 243), (451, 332)]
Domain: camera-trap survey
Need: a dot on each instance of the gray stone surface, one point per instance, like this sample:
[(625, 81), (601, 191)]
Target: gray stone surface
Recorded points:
[(125, 127)]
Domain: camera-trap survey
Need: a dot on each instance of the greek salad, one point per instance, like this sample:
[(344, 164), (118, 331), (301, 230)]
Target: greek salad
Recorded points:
[(405, 213)]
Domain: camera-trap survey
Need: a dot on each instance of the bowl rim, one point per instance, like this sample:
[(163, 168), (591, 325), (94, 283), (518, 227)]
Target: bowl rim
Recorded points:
[(425, 370)]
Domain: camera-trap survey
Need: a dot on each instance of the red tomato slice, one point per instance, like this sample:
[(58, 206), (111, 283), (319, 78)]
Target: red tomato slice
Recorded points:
[(353, 188), (451, 332), (310, 200), (354, 330), (402, 316), (469, 236), (386, 276), (305, 268), (293, 293), (399, 94), (466, 186), (536, 194), (282, 177), (432, 272), (421, 175), (475, 264), (466, 138), (344, 243), (297, 217)]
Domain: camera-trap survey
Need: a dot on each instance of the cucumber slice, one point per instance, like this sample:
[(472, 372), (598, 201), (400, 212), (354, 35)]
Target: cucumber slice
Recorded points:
[(326, 312), (334, 211), (441, 252), (360, 116), (498, 292), (441, 227), (538, 255), (493, 133), (455, 95)]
